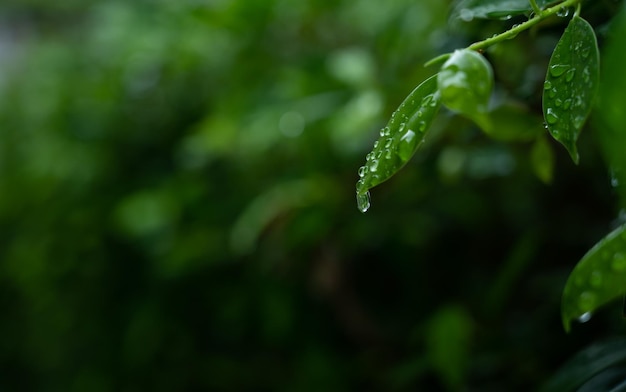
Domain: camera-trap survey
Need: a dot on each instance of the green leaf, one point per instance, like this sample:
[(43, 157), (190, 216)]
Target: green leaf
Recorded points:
[(598, 278), (465, 82), (400, 139), (468, 10), (571, 84)]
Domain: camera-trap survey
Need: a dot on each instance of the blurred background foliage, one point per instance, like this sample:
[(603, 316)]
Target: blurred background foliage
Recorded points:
[(177, 203)]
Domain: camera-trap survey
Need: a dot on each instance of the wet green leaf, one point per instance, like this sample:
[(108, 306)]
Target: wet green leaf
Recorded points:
[(468, 10), (465, 82), (571, 84), (542, 160), (400, 139), (598, 278)]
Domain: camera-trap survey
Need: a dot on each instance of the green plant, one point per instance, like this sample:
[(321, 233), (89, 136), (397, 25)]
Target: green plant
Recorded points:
[(464, 85)]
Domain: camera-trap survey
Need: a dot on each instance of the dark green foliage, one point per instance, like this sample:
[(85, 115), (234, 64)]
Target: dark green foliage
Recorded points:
[(177, 202)]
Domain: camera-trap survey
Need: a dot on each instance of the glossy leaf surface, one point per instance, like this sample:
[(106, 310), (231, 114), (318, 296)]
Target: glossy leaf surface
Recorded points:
[(399, 140), (571, 84), (465, 82), (492, 9), (598, 278)]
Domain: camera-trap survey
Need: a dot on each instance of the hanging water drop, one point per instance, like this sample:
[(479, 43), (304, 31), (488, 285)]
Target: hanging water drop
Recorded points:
[(551, 117), (583, 318), (363, 201)]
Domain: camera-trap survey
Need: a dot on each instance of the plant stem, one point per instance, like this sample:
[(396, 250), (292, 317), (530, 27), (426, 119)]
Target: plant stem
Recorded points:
[(515, 30), (536, 9)]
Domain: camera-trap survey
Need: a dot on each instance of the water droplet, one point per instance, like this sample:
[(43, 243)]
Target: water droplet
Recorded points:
[(513, 35), (407, 145), (569, 75), (595, 280), (363, 201), (555, 133), (420, 114), (558, 70), (382, 132), (567, 104), (585, 52), (547, 85), (376, 143), (563, 12), (586, 75), (369, 157), (552, 93), (388, 142), (373, 165), (619, 262), (551, 117), (583, 318), (587, 301), (558, 102), (362, 171), (422, 126)]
